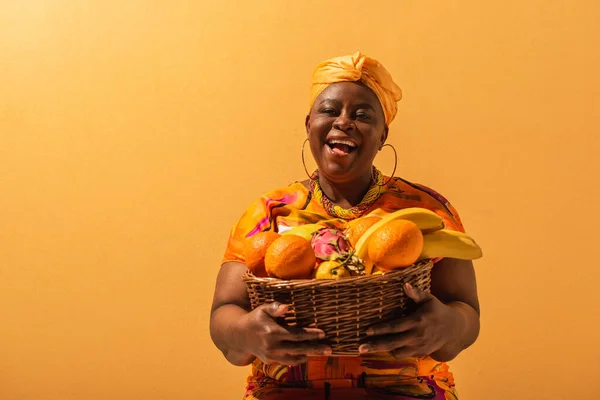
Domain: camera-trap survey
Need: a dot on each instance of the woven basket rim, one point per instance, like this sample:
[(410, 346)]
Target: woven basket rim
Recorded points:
[(249, 277)]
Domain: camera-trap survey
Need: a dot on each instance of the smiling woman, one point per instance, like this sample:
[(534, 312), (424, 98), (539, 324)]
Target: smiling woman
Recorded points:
[(353, 101), (346, 127)]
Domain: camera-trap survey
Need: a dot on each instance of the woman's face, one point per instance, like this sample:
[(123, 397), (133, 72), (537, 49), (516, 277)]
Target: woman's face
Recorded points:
[(346, 127)]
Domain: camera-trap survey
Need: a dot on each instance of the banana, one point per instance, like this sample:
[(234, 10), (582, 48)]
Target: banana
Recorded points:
[(451, 244), (305, 231), (426, 220)]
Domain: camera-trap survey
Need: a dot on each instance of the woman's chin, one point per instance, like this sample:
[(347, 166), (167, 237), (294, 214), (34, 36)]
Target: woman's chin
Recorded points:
[(339, 167), (338, 171)]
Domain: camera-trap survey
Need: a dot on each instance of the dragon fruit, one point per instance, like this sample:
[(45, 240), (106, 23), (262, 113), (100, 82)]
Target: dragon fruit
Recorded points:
[(330, 244)]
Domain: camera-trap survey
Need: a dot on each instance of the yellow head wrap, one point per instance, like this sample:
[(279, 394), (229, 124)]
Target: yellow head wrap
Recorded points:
[(358, 67)]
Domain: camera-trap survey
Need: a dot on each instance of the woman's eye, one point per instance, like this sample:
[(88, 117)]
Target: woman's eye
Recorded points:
[(328, 111), (362, 115)]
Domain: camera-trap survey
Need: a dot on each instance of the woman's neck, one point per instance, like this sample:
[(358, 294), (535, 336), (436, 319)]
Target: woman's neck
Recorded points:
[(346, 194)]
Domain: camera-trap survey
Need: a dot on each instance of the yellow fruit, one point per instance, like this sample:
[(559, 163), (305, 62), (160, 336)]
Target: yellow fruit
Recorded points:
[(255, 249), (397, 244), (425, 219), (451, 244), (331, 270), (290, 257), (356, 228)]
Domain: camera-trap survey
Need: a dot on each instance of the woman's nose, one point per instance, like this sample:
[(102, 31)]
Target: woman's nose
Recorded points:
[(343, 123)]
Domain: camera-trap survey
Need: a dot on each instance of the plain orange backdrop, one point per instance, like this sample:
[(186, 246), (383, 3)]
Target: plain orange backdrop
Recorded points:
[(134, 133)]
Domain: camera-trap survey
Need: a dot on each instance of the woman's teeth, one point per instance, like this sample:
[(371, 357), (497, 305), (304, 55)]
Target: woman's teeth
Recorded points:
[(341, 147), (344, 142)]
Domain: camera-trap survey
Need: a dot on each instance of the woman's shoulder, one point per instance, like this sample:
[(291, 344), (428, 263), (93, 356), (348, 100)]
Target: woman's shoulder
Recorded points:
[(262, 212), (410, 194), (294, 195), (401, 185)]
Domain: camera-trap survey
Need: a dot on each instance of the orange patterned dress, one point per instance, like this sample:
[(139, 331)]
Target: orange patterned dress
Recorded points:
[(373, 376)]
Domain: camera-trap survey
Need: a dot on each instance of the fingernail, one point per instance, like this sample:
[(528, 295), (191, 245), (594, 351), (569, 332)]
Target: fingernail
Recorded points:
[(370, 332), (408, 286), (322, 335), (363, 349), (327, 352)]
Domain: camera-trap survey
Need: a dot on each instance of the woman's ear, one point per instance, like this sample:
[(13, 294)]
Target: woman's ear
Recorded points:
[(307, 123), (384, 136)]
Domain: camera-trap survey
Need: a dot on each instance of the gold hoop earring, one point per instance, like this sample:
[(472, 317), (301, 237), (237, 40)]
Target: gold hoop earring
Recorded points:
[(395, 165), (304, 162)]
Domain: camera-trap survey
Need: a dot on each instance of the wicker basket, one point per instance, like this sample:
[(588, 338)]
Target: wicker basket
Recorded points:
[(343, 308)]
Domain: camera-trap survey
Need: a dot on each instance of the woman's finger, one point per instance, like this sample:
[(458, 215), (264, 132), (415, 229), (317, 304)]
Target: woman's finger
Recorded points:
[(295, 334), (388, 343), (418, 295), (404, 352), (274, 310), (280, 333), (397, 326), (307, 348)]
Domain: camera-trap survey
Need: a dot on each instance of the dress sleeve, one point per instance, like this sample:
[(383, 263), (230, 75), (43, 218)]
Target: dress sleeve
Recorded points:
[(254, 220)]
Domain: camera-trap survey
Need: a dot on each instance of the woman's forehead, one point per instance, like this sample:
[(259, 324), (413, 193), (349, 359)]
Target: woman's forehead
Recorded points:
[(353, 92)]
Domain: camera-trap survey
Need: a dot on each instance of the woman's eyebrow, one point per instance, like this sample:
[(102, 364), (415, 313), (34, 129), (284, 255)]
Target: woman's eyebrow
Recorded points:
[(330, 100), (339, 103), (365, 105)]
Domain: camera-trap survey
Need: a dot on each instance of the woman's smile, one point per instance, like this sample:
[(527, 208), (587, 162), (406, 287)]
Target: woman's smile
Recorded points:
[(340, 147)]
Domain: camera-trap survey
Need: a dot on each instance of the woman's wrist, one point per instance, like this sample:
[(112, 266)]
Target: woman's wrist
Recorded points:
[(234, 334), (238, 335), (463, 328)]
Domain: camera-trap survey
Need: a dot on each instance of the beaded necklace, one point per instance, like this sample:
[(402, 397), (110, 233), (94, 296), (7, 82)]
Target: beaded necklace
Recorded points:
[(375, 190)]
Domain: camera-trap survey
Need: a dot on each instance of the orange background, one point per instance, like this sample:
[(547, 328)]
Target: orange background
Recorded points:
[(134, 133)]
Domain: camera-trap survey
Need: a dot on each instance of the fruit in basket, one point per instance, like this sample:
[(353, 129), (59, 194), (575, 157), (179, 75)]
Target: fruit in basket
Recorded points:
[(255, 249), (451, 244), (290, 257), (305, 231), (357, 227), (425, 220), (397, 244), (331, 270), (330, 244)]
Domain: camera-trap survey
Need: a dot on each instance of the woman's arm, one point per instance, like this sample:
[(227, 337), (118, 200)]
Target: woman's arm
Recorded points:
[(242, 335), (453, 283), (445, 322), (230, 304)]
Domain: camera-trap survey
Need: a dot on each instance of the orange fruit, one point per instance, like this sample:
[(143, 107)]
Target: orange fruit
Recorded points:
[(290, 257), (331, 270), (255, 249), (357, 227), (397, 244)]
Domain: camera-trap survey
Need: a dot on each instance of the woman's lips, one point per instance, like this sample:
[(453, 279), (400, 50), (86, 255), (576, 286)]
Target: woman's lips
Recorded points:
[(340, 150)]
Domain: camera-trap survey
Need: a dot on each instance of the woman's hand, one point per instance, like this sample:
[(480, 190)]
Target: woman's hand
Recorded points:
[(243, 334), (422, 333), (274, 343)]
